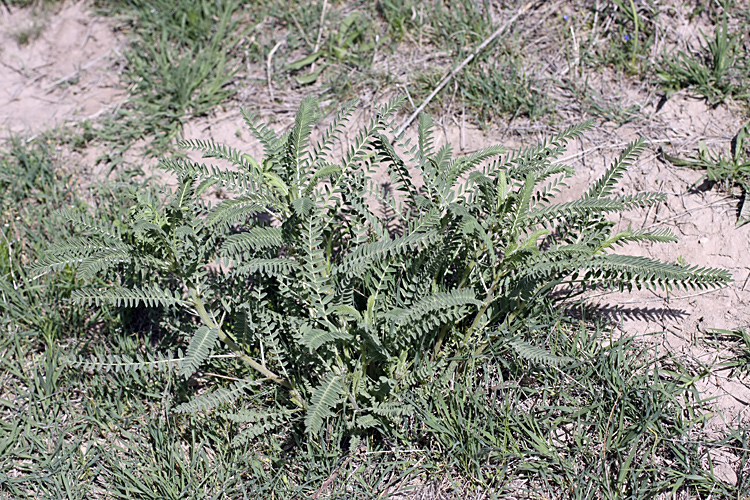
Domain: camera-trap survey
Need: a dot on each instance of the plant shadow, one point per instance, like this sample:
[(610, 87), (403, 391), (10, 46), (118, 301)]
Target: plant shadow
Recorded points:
[(613, 314)]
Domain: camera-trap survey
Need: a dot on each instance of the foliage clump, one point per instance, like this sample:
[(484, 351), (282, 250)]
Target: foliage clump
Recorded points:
[(725, 170), (342, 294), (714, 72)]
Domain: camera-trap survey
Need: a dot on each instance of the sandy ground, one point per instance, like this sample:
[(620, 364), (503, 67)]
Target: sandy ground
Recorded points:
[(69, 74), (65, 72)]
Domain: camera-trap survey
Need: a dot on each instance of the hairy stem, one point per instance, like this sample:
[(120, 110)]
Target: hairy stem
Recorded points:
[(210, 322)]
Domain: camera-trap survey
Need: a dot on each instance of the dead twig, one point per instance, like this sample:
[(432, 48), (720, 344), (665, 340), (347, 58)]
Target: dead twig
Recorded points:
[(461, 66), (320, 33), (269, 68), (76, 73), (88, 33), (332, 477), (723, 201)]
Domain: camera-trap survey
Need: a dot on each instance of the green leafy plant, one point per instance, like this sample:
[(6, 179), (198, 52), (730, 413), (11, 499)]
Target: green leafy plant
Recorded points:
[(731, 170), (502, 90), (32, 188), (712, 73), (180, 64), (626, 33), (349, 44), (341, 294), (459, 25), (739, 360)]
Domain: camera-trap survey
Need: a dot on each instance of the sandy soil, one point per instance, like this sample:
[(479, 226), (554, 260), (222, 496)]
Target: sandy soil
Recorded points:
[(64, 72)]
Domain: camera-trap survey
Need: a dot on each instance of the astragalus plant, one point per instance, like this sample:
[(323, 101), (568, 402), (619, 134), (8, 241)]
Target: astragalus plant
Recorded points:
[(343, 294)]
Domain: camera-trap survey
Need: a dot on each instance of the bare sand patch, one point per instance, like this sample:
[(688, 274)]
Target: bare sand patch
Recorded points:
[(56, 66)]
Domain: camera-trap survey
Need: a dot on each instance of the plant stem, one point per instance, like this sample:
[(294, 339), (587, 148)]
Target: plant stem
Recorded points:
[(487, 302), (210, 322), (635, 35)]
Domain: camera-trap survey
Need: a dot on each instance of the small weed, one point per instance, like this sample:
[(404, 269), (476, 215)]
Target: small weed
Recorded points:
[(739, 362), (727, 170), (627, 31), (460, 25), (24, 36), (713, 72), (180, 64), (340, 51), (351, 44), (592, 102), (502, 90), (402, 17), (490, 91), (326, 44)]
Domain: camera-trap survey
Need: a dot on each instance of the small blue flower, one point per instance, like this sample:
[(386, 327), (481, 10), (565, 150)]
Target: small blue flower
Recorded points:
[(627, 38), (566, 17)]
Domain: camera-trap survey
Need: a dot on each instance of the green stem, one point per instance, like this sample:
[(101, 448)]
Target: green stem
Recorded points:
[(444, 330), (490, 298), (635, 38), (210, 322), (441, 337)]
